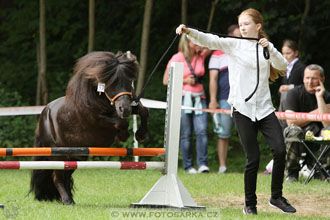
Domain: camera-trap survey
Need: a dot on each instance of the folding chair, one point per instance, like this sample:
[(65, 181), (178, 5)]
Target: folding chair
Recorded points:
[(317, 164)]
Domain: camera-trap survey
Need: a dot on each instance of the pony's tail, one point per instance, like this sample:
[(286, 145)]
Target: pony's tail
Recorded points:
[(42, 184)]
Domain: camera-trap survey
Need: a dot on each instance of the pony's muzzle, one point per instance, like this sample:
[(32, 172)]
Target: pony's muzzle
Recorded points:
[(123, 106)]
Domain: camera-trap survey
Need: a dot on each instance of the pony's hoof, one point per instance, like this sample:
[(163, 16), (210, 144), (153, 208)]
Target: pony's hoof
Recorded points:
[(140, 141), (140, 136), (68, 202), (123, 136)]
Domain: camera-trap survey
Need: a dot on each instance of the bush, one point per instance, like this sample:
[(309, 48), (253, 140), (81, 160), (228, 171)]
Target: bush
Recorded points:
[(15, 131)]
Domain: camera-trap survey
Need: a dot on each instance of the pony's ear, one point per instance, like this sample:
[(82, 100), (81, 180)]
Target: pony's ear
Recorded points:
[(133, 57), (129, 54)]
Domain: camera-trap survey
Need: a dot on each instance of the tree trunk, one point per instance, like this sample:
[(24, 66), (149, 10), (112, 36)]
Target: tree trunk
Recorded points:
[(43, 56), (38, 93), (302, 24), (91, 26), (144, 45), (214, 4), (184, 5)]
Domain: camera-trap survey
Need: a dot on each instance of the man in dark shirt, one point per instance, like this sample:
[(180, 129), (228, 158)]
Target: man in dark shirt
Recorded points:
[(310, 97)]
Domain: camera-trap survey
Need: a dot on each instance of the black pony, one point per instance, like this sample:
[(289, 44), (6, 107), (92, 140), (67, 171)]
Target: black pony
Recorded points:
[(93, 113)]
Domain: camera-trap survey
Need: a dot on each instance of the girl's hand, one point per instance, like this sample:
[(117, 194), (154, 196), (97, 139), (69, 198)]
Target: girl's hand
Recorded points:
[(182, 29), (263, 42)]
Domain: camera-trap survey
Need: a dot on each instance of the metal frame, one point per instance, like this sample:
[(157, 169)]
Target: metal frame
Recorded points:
[(317, 164)]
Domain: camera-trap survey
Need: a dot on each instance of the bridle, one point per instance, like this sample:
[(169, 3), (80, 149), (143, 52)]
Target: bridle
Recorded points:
[(112, 100)]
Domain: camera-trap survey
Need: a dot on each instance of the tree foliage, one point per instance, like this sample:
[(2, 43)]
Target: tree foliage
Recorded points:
[(118, 26)]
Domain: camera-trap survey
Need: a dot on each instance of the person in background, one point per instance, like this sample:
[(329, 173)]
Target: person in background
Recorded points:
[(219, 91), (293, 77), (310, 97), (193, 57), (294, 72), (252, 106)]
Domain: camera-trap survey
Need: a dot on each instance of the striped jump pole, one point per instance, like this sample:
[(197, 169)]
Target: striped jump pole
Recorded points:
[(81, 151), (73, 165)]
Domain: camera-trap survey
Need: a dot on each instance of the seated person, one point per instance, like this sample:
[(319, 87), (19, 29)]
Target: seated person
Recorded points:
[(310, 97), (294, 72)]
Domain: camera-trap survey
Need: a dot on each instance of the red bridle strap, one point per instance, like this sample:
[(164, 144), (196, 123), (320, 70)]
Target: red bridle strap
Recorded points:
[(112, 100)]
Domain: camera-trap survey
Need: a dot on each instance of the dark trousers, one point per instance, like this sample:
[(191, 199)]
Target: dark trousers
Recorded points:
[(272, 131)]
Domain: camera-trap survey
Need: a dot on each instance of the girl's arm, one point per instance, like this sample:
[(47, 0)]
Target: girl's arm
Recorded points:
[(211, 41), (276, 58)]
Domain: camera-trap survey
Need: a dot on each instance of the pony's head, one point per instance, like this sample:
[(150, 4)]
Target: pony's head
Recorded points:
[(115, 72)]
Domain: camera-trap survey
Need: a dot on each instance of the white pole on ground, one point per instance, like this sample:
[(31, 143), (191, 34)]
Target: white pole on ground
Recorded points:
[(169, 192)]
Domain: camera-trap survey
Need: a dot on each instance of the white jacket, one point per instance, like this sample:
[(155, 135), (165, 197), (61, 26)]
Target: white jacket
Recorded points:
[(242, 66)]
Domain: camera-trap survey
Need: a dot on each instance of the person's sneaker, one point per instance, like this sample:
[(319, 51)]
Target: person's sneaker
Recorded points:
[(250, 210), (222, 170), (203, 169), (191, 170), (282, 204), (291, 179)]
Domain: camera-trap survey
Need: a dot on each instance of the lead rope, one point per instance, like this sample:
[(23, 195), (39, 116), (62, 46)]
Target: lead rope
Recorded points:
[(137, 99), (265, 53), (255, 89)]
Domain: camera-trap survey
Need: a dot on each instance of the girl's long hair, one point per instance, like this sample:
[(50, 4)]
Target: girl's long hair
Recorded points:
[(184, 45), (257, 18)]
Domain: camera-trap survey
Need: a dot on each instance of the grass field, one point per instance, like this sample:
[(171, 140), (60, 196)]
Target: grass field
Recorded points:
[(107, 194)]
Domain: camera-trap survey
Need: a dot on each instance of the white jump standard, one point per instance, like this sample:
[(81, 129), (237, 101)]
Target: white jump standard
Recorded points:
[(169, 192)]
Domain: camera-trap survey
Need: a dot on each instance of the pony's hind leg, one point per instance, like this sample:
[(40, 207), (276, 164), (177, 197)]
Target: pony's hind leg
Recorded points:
[(64, 183)]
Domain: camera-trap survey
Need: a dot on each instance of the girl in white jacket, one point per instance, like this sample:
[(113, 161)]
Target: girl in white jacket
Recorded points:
[(255, 113)]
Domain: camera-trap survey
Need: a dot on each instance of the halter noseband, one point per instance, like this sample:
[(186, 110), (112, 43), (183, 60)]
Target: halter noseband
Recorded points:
[(112, 100)]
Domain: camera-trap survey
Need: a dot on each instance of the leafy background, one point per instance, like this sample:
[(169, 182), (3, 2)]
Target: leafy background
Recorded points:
[(119, 27)]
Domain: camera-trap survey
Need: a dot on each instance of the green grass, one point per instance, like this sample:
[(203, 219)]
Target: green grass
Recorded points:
[(104, 194)]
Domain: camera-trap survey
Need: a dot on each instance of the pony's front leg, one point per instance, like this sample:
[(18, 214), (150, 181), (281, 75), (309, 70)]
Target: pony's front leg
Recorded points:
[(64, 183), (141, 133), (122, 128)]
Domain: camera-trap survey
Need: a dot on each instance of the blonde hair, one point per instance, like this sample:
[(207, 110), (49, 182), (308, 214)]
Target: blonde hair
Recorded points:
[(257, 18), (184, 45)]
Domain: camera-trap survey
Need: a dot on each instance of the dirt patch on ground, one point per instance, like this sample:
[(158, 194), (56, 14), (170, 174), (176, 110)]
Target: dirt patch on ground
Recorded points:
[(306, 205)]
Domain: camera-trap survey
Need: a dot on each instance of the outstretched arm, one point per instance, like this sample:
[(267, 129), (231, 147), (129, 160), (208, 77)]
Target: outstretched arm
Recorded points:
[(211, 41), (182, 29)]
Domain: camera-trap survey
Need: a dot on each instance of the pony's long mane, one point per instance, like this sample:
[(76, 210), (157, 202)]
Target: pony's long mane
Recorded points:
[(98, 67)]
